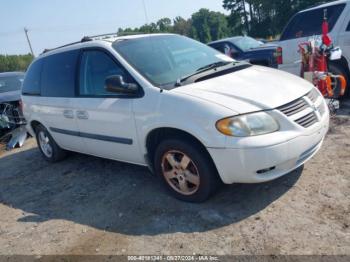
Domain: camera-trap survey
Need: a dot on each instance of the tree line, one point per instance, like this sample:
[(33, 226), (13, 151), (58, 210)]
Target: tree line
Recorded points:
[(204, 25), (10, 63), (257, 18), (263, 18)]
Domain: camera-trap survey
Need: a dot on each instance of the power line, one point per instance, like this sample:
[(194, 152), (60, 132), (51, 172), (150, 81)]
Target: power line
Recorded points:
[(9, 33)]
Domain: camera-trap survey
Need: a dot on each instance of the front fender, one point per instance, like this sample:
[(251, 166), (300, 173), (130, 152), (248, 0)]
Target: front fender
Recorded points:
[(178, 111)]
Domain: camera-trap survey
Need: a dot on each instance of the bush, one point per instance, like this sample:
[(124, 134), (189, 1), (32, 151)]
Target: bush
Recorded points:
[(10, 63)]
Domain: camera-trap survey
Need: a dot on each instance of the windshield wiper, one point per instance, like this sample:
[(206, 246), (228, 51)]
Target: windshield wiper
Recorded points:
[(203, 69), (213, 65)]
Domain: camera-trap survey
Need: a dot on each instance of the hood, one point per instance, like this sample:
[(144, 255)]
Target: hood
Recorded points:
[(10, 96), (253, 89)]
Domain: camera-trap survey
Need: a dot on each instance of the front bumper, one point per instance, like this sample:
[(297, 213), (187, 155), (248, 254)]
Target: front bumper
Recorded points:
[(267, 162)]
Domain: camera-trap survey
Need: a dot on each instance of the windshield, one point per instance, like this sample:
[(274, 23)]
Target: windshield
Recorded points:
[(10, 83), (163, 59), (246, 43)]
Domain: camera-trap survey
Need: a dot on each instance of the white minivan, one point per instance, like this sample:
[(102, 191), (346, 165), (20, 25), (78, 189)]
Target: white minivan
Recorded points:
[(308, 23), (192, 115)]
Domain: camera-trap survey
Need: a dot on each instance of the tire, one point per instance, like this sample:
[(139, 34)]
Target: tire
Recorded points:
[(186, 170), (339, 70), (48, 148)]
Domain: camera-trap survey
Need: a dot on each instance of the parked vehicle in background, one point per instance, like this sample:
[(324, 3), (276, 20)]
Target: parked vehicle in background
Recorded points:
[(193, 115), (11, 116), (10, 86), (10, 100), (308, 23), (248, 49)]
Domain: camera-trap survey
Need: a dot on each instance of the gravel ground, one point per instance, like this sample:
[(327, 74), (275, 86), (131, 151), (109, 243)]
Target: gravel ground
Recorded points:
[(87, 205)]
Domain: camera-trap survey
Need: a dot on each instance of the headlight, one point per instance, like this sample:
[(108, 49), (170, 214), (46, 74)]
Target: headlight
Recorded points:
[(248, 125)]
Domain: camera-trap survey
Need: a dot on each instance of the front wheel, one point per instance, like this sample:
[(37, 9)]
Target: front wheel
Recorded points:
[(186, 170), (47, 145)]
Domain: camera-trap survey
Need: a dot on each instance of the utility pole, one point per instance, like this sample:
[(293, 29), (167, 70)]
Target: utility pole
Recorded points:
[(30, 45)]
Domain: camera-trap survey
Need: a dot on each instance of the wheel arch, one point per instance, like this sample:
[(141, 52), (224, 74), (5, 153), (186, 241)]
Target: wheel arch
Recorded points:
[(34, 124), (342, 63), (157, 135)]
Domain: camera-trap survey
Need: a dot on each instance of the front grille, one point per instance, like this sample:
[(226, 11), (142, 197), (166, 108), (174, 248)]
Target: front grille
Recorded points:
[(293, 107), (307, 120), (313, 95), (11, 112)]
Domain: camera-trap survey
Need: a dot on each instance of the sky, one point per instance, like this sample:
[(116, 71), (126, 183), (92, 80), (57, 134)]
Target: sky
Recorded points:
[(52, 23)]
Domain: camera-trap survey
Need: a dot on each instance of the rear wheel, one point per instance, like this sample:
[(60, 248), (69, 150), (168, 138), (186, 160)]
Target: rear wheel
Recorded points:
[(47, 145), (186, 171)]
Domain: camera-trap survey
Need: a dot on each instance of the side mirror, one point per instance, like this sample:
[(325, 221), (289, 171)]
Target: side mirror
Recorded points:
[(116, 84)]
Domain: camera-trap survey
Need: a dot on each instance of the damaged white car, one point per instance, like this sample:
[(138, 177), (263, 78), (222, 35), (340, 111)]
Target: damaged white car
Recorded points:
[(194, 116)]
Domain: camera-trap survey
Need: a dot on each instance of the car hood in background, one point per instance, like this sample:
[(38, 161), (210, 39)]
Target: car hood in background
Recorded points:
[(10, 96), (248, 90)]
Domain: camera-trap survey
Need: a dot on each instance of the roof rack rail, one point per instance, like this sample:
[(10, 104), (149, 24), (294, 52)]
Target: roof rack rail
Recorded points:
[(84, 39), (48, 50), (126, 33), (99, 37)]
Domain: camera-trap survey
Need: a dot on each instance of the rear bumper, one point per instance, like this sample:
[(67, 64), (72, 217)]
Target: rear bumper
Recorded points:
[(256, 165)]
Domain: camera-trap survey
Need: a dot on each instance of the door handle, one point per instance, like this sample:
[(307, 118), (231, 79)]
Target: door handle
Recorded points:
[(82, 114), (68, 114)]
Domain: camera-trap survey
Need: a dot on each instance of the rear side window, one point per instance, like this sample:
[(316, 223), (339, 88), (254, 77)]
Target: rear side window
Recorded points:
[(310, 23), (218, 46), (348, 28), (223, 47), (58, 74), (31, 84)]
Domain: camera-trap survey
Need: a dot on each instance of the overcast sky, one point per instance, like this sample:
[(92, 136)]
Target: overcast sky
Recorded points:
[(57, 22)]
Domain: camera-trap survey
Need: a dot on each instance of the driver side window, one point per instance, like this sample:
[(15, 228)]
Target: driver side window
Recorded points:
[(95, 67)]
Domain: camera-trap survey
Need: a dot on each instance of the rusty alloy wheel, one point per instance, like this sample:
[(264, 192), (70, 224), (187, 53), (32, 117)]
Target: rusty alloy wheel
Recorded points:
[(180, 172)]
